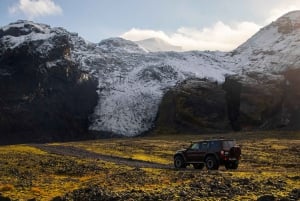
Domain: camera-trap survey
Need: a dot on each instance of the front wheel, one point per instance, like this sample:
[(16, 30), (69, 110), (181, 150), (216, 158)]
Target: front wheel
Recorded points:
[(179, 162), (211, 163)]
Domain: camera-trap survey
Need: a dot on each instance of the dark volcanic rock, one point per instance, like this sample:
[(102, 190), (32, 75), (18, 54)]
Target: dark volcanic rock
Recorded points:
[(264, 101), (2, 198), (90, 193), (291, 104), (44, 95), (194, 106), (254, 101), (266, 198), (244, 102)]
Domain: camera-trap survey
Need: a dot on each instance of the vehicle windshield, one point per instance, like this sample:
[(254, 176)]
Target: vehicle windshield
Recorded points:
[(228, 144), (194, 146)]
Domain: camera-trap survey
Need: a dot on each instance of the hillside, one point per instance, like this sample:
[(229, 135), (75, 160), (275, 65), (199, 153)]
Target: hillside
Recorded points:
[(122, 85)]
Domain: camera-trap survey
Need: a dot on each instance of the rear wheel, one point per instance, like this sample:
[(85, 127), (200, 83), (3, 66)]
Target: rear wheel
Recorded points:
[(232, 165), (179, 162), (211, 163), (198, 166)]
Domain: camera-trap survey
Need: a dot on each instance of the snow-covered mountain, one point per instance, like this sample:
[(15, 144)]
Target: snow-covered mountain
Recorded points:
[(274, 48), (157, 45), (132, 81)]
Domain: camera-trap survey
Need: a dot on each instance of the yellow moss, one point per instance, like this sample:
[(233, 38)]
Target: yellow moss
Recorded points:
[(21, 149), (36, 191), (6, 187), (245, 197), (150, 158), (260, 153)]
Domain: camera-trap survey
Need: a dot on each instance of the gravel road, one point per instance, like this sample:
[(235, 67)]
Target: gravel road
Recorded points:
[(81, 153)]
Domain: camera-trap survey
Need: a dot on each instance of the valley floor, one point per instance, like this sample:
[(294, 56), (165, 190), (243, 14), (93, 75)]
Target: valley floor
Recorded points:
[(142, 169)]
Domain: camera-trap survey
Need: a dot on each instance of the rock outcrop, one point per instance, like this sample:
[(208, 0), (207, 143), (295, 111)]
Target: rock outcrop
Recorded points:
[(266, 101), (254, 101), (44, 95), (196, 105)]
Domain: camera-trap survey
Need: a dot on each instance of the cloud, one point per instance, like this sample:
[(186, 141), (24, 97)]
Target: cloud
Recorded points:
[(282, 8), (36, 8), (219, 36)]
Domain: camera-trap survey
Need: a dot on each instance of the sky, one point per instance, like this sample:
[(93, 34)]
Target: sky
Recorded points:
[(192, 24)]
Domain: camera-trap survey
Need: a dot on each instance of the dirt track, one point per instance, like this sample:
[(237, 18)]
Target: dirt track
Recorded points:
[(81, 153)]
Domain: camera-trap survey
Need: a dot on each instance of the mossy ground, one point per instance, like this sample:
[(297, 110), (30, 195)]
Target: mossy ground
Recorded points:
[(270, 165)]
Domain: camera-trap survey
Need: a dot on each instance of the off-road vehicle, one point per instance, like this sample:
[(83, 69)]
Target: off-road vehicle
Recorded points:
[(213, 153)]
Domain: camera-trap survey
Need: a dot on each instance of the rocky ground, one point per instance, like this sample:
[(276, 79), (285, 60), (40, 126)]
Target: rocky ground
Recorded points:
[(141, 169)]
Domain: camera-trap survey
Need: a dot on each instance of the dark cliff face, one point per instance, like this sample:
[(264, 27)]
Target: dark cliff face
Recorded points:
[(232, 89), (254, 101), (44, 96), (291, 104), (257, 103), (197, 106), (266, 101)]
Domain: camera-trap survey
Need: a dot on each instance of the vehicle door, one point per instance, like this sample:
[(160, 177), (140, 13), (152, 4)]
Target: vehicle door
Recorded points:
[(192, 153), (203, 147)]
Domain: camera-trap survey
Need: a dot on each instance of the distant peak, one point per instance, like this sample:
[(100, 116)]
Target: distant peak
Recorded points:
[(157, 44), (154, 39)]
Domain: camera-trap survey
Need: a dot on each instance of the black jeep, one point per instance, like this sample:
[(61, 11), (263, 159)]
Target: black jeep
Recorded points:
[(213, 153)]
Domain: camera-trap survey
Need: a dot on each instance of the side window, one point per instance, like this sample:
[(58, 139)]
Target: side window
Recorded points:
[(204, 146), (214, 145)]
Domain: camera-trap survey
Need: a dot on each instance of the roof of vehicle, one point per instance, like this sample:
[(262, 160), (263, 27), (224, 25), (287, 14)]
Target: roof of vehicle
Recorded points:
[(216, 139)]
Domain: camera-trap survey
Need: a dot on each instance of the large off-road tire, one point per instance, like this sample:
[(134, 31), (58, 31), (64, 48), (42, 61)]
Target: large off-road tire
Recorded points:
[(179, 162), (198, 166), (232, 165), (211, 163), (235, 152)]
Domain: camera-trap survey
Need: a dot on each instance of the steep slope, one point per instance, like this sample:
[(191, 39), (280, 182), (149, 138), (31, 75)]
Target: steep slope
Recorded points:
[(132, 85), (273, 49), (157, 45)]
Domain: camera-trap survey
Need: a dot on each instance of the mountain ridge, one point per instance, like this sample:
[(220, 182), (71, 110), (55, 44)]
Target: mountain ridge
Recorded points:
[(132, 82)]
